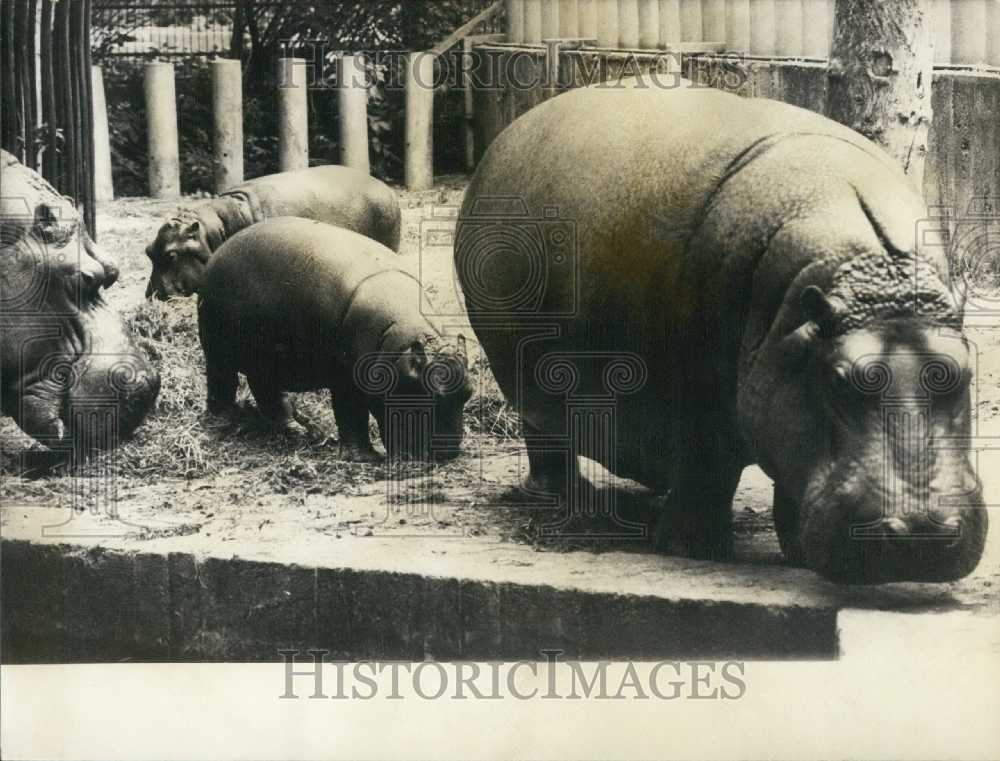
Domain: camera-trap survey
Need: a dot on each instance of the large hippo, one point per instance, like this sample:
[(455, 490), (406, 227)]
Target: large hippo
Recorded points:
[(336, 194), (70, 375), (296, 305), (754, 270)]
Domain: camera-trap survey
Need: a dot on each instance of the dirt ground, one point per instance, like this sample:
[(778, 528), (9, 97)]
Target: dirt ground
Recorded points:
[(185, 472)]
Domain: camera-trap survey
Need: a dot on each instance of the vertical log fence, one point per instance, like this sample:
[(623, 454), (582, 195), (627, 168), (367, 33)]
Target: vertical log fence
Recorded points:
[(967, 32), (46, 94), (48, 117)]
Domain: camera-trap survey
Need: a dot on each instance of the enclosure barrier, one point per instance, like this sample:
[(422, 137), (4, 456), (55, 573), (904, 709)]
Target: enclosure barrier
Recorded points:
[(46, 95), (352, 100), (419, 121), (293, 115), (419, 84), (967, 32), (227, 110), (104, 185), (161, 129)]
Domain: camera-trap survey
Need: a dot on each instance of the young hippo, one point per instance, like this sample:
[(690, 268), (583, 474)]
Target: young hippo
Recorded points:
[(298, 305), (336, 194)]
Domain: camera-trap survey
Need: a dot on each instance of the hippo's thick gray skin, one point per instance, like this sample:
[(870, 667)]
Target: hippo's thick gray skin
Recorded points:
[(761, 261), (338, 195), (70, 375), (297, 305)]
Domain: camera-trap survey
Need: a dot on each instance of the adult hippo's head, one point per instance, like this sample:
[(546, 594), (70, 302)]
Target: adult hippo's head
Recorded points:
[(70, 375), (859, 408), (179, 255), (420, 401)]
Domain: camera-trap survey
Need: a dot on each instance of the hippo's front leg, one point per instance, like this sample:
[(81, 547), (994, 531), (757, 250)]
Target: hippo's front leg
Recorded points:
[(351, 409), (37, 412), (786, 523), (698, 520)]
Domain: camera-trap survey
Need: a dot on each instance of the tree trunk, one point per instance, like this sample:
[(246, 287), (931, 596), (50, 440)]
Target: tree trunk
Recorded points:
[(881, 66)]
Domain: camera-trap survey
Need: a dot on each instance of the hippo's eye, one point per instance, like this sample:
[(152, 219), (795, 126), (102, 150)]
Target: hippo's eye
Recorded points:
[(840, 379)]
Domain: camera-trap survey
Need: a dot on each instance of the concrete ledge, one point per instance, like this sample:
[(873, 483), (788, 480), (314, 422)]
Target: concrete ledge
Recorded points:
[(67, 604), (160, 580)]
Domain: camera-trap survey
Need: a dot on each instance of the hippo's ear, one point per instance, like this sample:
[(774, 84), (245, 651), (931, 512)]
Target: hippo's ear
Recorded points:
[(45, 215), (818, 307), (191, 231)]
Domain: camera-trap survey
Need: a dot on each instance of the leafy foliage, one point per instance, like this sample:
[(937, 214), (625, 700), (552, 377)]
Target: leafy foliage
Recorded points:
[(264, 30)]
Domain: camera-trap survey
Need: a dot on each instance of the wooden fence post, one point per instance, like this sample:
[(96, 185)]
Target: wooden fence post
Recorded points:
[(762, 27), (104, 185), (713, 20), (227, 107), (293, 115), (691, 30), (607, 23), (587, 11), (515, 21), (532, 21), (968, 31), (942, 31), (994, 34), (815, 28), (670, 21), (420, 121), (161, 128), (628, 24), (569, 19), (738, 25), (550, 19), (788, 28), (649, 24), (352, 102)]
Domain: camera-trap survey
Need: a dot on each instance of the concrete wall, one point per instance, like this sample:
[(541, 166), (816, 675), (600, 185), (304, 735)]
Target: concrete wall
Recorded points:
[(964, 160)]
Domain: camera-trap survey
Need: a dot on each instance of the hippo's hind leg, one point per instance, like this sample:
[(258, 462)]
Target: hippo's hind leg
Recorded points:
[(350, 408), (221, 379), (221, 366), (272, 402), (553, 469)]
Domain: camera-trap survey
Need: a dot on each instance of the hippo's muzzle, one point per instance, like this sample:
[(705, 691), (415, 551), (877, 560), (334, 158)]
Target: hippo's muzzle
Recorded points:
[(861, 534)]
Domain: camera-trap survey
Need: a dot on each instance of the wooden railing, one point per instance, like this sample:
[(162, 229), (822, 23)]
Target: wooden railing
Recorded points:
[(967, 32)]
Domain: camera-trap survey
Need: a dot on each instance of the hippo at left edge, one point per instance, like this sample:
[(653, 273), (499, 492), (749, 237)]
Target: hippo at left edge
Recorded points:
[(337, 195), (71, 376)]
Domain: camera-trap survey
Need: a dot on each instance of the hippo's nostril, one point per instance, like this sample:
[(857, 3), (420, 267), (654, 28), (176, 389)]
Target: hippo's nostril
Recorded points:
[(952, 525), (894, 527)]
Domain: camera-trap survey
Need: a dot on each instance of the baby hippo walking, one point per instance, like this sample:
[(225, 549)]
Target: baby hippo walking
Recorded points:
[(298, 305)]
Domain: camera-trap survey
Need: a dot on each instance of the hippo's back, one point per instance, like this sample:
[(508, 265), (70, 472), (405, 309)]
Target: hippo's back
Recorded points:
[(290, 270), (334, 194)]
